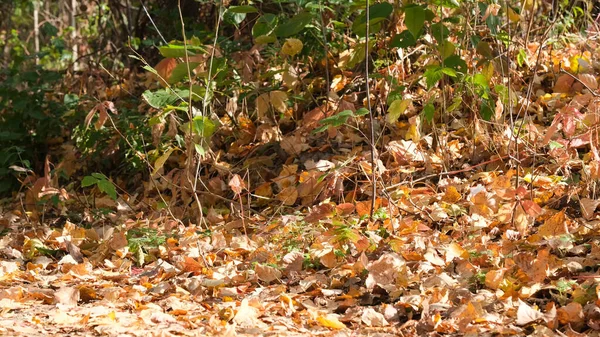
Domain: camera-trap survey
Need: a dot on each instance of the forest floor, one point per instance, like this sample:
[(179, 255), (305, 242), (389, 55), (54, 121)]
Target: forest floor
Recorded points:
[(488, 234)]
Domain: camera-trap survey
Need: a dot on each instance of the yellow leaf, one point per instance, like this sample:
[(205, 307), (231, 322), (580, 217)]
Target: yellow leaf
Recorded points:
[(579, 63), (331, 322), (291, 47), (513, 16), (451, 196), (413, 134), (158, 164), (396, 109)]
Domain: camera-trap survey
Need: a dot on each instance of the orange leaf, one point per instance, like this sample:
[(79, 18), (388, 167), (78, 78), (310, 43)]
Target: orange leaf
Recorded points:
[(165, 68)]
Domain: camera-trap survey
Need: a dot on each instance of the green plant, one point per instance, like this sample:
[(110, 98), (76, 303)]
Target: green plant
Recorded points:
[(102, 182)]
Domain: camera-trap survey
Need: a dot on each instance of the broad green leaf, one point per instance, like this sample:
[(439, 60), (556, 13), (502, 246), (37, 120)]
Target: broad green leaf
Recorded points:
[(440, 31), (455, 62), (338, 119), (233, 18), (264, 25), (199, 149), (71, 100), (396, 109), (446, 49), (480, 81), (449, 71), (264, 39), (181, 71), (294, 25), (403, 40), (456, 102), (414, 18), (160, 161), (361, 112), (487, 109), (432, 76), (178, 50), (160, 99), (484, 49), (108, 188), (99, 176), (429, 112), (377, 13), (242, 9), (203, 126), (358, 54), (88, 181)]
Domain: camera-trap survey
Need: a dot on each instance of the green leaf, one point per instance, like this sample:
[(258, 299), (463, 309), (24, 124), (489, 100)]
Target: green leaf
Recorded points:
[(447, 3), (199, 149), (108, 188), (521, 57), (446, 49), (71, 100), (403, 40), (321, 129), (455, 62), (338, 119), (396, 109), (150, 69), (242, 9), (264, 25), (432, 76), (99, 176), (293, 26), (160, 99), (88, 181), (440, 31), (414, 18), (377, 13), (233, 18), (456, 102), (181, 71), (487, 110), (203, 126), (361, 112), (555, 145), (449, 71), (428, 112), (178, 50)]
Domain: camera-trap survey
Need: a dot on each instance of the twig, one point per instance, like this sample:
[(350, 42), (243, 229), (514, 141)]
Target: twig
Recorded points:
[(562, 70), (371, 118)]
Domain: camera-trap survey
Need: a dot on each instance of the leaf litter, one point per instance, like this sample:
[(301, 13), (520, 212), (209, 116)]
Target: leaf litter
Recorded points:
[(453, 248)]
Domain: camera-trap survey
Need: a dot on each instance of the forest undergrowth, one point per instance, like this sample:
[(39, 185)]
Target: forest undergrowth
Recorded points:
[(246, 182)]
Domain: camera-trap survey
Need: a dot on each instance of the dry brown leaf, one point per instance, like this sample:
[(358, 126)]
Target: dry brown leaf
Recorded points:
[(373, 318), (527, 315), (267, 273), (588, 207), (67, 296), (385, 270), (288, 195), (554, 226)]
